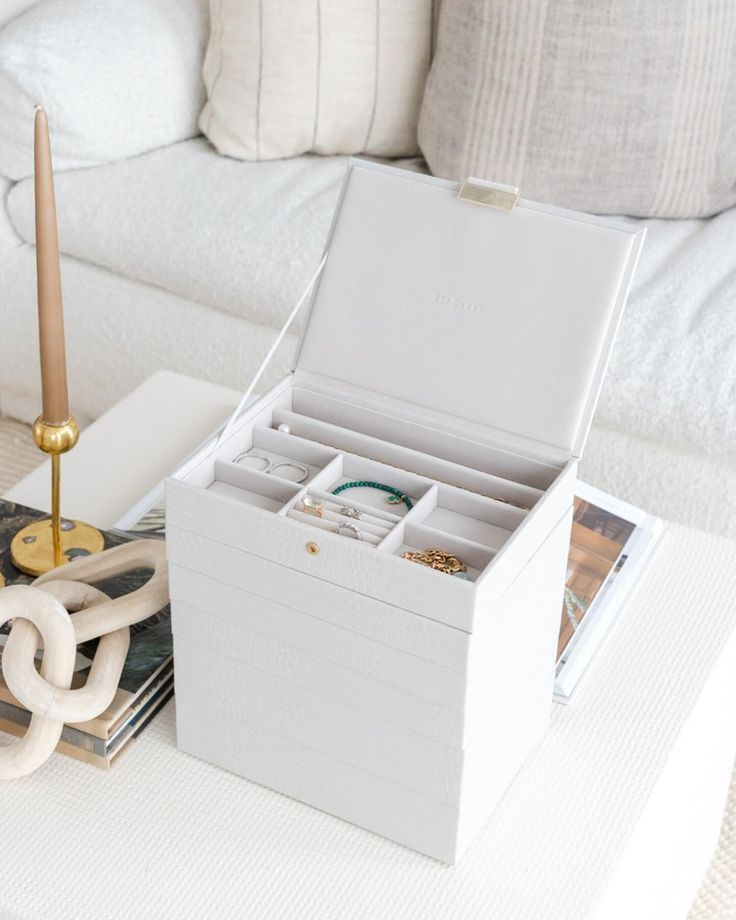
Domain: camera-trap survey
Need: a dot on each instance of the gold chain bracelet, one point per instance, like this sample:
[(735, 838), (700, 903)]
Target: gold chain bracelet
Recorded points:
[(436, 559)]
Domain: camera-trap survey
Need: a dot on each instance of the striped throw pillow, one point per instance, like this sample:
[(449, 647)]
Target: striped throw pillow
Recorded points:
[(285, 77), (620, 107)]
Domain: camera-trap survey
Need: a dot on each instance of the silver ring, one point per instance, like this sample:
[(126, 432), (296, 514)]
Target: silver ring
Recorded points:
[(256, 455), (348, 525), (348, 511), (304, 470)]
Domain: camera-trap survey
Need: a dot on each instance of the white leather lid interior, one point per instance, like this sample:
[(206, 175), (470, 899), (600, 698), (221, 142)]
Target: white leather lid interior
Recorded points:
[(501, 319)]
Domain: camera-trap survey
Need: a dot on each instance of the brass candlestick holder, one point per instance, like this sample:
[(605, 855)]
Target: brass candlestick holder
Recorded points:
[(44, 545)]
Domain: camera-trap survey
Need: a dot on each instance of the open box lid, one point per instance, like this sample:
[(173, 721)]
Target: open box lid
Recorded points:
[(504, 320)]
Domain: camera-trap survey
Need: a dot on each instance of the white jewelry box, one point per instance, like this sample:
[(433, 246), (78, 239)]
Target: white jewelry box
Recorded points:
[(454, 352)]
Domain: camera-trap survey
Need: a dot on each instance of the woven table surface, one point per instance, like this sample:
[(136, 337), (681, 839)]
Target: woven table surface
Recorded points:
[(165, 834)]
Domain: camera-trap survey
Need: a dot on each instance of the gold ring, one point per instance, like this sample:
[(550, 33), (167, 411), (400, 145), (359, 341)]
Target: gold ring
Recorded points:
[(313, 506)]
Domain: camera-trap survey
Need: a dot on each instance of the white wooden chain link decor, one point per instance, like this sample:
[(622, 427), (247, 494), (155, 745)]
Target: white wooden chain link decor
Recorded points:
[(58, 611)]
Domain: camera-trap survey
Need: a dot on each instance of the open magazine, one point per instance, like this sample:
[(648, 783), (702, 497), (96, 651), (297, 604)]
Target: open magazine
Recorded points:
[(610, 545)]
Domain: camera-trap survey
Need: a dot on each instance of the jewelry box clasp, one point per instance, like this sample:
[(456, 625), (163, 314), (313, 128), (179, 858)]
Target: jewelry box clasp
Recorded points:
[(489, 194)]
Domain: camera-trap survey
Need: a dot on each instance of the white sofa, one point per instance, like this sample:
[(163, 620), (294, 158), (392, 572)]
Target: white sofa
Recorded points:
[(182, 259)]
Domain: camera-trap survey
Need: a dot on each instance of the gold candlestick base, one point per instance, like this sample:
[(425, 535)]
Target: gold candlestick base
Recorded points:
[(32, 548), (46, 544)]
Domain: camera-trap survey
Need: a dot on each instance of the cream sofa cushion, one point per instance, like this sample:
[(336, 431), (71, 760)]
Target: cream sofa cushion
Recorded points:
[(619, 107), (241, 237), (285, 77)]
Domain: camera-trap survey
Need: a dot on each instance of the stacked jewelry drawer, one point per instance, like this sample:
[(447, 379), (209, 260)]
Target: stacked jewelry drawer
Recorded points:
[(367, 568), (334, 670)]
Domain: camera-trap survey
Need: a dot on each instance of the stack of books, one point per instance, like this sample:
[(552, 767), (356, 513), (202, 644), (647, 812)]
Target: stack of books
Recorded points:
[(147, 680), (610, 546)]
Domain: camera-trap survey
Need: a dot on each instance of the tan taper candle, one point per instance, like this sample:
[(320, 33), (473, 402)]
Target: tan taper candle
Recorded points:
[(50, 311)]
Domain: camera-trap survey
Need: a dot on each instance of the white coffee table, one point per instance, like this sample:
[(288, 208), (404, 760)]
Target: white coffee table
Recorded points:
[(615, 815)]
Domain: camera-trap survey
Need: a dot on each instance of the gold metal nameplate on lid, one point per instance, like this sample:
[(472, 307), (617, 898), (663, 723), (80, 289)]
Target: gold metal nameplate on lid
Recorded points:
[(500, 197)]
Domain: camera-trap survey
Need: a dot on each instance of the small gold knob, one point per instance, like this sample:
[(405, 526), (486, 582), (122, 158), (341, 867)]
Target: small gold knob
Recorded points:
[(312, 549)]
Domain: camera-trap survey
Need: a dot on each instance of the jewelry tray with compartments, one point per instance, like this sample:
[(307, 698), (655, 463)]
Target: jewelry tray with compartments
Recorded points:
[(367, 566)]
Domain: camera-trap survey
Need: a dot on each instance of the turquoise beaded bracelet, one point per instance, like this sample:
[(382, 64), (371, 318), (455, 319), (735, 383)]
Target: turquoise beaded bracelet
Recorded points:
[(395, 495)]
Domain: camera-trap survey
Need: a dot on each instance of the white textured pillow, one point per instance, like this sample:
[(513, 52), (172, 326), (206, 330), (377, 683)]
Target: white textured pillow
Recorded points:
[(12, 8), (117, 79), (285, 77), (623, 107)]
